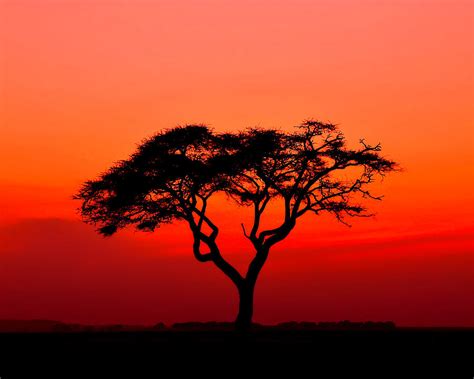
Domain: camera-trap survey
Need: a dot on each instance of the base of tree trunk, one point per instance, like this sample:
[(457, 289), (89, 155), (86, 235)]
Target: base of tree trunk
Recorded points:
[(243, 322), (243, 326)]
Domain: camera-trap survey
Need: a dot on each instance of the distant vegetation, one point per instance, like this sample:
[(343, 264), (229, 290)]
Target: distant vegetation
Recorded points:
[(45, 326)]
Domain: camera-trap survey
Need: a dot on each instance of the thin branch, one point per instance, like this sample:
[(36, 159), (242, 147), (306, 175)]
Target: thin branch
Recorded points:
[(244, 231)]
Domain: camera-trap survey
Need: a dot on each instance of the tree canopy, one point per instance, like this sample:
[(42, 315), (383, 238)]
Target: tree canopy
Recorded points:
[(172, 173)]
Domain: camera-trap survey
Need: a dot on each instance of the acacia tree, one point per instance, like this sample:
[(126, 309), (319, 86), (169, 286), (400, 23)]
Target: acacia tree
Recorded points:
[(173, 174)]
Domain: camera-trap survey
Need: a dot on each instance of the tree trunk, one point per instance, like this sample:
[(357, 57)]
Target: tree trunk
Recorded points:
[(246, 290), (244, 317)]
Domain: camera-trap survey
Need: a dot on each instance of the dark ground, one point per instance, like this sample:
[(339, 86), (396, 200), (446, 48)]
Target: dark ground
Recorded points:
[(401, 352)]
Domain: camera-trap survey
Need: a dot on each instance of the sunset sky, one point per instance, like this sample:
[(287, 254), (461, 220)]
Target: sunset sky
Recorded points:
[(82, 82)]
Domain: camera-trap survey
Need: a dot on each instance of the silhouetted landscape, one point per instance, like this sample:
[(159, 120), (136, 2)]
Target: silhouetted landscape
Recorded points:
[(253, 189), (46, 348)]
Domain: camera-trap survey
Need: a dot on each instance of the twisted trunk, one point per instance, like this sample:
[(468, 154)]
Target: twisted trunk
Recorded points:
[(246, 289)]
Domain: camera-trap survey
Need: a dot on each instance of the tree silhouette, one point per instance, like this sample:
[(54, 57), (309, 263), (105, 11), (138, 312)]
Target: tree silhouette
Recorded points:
[(173, 174)]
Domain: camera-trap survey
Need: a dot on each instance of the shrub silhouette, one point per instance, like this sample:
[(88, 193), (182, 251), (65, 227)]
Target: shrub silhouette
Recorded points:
[(173, 174)]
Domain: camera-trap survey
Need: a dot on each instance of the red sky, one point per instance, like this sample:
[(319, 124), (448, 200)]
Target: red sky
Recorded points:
[(82, 82)]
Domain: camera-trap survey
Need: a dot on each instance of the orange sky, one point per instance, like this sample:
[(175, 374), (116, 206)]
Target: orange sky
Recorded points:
[(83, 81)]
